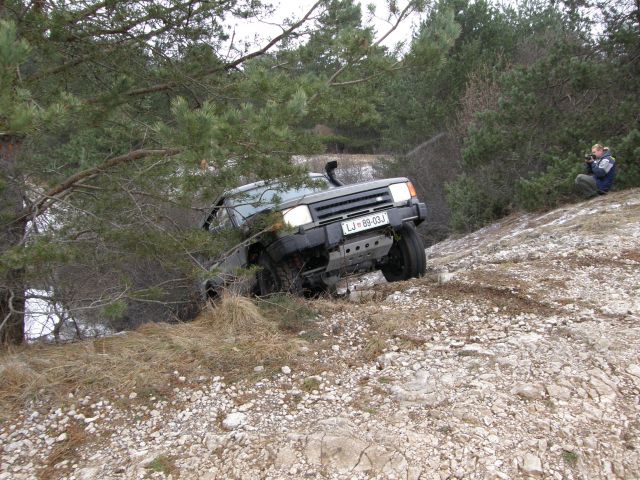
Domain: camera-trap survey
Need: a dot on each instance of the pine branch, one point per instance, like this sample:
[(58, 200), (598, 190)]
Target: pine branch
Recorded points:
[(229, 65), (125, 28), (106, 49), (394, 68), (88, 12), (405, 12), (145, 36)]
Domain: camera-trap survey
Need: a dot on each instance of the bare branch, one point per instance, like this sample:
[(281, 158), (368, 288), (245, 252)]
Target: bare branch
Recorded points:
[(52, 196), (404, 14), (274, 40), (12, 311)]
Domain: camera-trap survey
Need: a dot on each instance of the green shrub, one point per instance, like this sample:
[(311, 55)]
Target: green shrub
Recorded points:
[(471, 206), (549, 188), (627, 155)]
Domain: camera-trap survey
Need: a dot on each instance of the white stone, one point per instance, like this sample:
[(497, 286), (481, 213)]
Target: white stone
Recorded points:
[(12, 447), (474, 349), (559, 392), (634, 370), (88, 473), (532, 464), (213, 441), (132, 395), (234, 420), (285, 457), (531, 391), (286, 370)]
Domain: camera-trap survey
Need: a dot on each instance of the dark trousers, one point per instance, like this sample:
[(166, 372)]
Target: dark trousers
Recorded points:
[(586, 186)]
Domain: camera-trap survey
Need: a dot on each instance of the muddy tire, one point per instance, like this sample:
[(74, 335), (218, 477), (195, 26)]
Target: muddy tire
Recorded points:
[(406, 258), (277, 277)]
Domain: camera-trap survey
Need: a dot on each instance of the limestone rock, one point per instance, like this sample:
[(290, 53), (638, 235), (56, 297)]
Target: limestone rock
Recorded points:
[(285, 458), (532, 465), (421, 389), (474, 349), (234, 420), (634, 370), (559, 392), (339, 451), (530, 391)]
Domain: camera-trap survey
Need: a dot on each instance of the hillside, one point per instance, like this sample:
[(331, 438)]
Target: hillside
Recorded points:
[(518, 355)]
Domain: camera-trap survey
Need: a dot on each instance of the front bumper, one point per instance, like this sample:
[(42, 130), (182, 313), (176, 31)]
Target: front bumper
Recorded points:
[(330, 236)]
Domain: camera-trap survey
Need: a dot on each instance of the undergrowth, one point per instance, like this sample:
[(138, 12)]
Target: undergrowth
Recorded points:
[(228, 339)]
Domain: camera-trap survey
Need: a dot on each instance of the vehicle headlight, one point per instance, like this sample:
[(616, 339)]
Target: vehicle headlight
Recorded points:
[(400, 192), (296, 216)]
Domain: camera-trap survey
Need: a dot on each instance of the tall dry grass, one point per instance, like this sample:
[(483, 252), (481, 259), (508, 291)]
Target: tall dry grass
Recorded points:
[(227, 339)]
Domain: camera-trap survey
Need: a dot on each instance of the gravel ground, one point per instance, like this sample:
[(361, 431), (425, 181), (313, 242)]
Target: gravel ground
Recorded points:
[(517, 356)]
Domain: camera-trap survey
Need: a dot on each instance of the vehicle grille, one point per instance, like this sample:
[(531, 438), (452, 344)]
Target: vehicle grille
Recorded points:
[(352, 205)]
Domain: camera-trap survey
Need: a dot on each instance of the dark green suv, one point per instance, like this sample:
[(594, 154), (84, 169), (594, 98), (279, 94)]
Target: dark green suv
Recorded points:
[(330, 230)]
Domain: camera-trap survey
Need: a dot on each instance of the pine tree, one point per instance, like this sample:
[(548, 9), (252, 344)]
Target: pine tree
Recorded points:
[(16, 114), (131, 117)]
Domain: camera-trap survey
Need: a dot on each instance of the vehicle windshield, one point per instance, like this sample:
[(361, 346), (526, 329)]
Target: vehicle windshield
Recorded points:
[(247, 204)]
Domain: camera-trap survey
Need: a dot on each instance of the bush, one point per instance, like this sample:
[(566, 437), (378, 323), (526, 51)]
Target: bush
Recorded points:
[(471, 206), (548, 189), (627, 156), (556, 183)]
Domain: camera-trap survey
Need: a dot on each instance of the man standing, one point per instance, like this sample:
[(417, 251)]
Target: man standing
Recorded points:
[(601, 171)]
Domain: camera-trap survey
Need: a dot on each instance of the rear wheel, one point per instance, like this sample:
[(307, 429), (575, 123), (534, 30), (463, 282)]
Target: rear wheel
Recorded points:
[(406, 258), (277, 277)]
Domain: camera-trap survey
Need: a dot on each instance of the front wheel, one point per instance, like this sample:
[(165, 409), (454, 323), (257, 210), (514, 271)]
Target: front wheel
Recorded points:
[(277, 277), (406, 258)]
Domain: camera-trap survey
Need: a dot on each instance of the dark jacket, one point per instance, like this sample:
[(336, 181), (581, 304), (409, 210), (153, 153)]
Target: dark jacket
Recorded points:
[(604, 171)]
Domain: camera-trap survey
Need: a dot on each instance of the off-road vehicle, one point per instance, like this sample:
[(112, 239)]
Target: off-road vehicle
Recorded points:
[(329, 230)]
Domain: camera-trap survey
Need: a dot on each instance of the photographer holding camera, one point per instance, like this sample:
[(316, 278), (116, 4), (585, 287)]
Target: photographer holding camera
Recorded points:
[(601, 171)]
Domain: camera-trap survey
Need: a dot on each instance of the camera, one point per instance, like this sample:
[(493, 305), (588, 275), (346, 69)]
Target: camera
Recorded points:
[(589, 157)]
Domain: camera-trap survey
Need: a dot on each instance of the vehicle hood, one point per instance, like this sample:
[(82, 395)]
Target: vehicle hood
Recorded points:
[(337, 192)]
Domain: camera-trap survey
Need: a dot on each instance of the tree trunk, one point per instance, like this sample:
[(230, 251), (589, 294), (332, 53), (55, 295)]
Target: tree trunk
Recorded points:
[(12, 231)]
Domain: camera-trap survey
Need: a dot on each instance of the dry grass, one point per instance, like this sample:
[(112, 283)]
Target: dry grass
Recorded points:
[(374, 347), (633, 255), (392, 324), (66, 450), (234, 316), (227, 339), (511, 302)]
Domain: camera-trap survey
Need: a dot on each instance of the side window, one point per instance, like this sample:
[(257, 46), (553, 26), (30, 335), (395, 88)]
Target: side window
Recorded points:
[(222, 216)]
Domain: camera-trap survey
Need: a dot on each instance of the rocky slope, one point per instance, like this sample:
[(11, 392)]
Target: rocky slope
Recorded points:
[(518, 355)]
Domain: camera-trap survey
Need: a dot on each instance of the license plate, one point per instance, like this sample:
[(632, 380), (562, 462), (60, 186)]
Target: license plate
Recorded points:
[(365, 223)]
